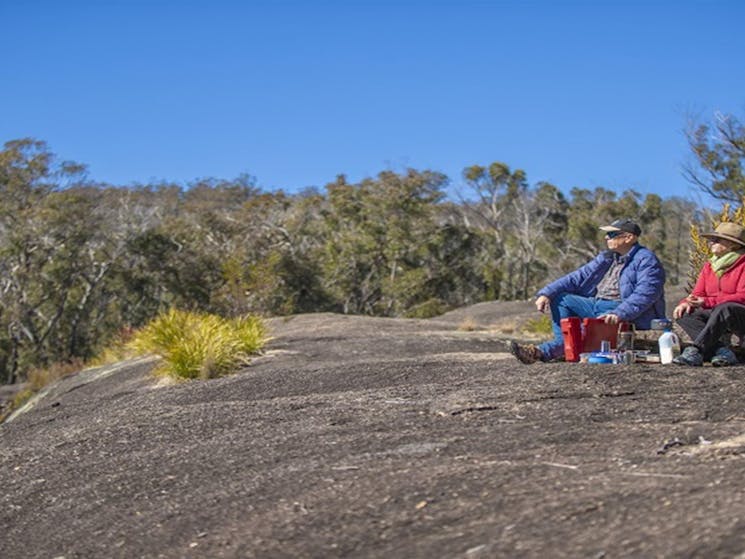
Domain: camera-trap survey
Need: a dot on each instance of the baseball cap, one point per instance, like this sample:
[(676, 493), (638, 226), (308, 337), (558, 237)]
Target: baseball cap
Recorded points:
[(624, 224)]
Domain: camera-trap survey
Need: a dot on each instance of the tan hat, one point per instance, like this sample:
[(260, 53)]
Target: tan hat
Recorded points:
[(727, 230)]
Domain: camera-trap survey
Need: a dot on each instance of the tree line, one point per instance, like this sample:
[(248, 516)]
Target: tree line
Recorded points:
[(81, 262)]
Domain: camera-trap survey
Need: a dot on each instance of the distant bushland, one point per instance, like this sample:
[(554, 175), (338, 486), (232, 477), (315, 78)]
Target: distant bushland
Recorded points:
[(80, 262)]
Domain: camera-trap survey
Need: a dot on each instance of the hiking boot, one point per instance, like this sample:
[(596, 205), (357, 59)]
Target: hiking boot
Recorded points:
[(724, 357), (691, 356), (526, 353)]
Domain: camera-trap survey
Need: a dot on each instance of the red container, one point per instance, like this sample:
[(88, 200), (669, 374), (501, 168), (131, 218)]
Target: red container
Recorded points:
[(584, 335), (571, 329)]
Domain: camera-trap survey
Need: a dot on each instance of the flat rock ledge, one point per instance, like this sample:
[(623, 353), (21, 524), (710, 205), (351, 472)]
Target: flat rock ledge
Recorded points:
[(371, 437)]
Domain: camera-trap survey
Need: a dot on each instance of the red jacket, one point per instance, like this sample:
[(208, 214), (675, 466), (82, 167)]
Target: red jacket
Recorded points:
[(730, 288)]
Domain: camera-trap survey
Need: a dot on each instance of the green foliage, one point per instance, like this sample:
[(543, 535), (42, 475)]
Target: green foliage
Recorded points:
[(719, 151), (541, 325), (197, 345), (375, 241), (427, 309), (82, 262)]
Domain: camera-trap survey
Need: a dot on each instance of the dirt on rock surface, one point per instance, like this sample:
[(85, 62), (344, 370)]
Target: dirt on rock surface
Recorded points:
[(370, 437)]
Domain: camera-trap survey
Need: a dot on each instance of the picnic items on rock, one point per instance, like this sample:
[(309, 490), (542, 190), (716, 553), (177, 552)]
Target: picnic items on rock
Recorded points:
[(668, 342), (591, 340), (586, 335)]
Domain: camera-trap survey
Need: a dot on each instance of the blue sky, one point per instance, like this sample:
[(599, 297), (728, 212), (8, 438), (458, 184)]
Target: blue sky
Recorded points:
[(576, 93)]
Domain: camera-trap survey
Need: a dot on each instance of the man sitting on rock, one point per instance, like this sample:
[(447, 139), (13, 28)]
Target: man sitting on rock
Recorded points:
[(623, 283)]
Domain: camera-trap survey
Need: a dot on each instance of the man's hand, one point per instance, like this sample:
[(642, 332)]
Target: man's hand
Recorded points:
[(543, 304), (610, 318)]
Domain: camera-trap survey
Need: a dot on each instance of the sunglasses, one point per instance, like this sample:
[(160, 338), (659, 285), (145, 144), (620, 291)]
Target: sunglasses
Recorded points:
[(614, 234)]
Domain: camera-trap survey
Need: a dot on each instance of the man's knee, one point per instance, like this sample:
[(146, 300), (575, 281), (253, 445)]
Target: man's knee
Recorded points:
[(571, 302)]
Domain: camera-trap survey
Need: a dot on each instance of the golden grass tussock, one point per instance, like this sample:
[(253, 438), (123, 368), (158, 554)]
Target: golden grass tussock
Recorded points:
[(468, 324), (38, 378), (199, 345), (534, 328), (540, 325)]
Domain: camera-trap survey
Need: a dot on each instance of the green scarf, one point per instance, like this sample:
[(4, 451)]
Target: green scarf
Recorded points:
[(721, 264)]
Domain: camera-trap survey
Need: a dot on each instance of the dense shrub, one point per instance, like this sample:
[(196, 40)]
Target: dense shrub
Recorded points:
[(199, 345)]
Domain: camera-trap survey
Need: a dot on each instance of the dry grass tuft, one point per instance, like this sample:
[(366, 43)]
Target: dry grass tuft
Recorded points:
[(468, 324), (38, 378), (540, 325), (118, 349), (198, 345)]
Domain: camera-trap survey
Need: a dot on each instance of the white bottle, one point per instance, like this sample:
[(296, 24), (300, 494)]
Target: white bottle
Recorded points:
[(669, 347)]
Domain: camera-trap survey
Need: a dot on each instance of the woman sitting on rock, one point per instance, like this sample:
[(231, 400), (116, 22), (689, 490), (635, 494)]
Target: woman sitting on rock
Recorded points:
[(716, 306)]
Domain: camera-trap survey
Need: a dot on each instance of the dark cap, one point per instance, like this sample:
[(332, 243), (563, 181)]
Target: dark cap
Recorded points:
[(624, 224)]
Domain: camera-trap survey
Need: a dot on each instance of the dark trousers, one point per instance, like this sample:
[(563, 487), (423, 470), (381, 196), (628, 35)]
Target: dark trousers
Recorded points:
[(707, 326)]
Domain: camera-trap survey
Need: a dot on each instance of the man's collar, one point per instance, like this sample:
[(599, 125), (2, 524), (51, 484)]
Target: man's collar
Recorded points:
[(632, 249)]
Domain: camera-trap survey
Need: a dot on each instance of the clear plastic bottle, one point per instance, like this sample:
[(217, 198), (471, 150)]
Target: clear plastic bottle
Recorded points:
[(669, 346)]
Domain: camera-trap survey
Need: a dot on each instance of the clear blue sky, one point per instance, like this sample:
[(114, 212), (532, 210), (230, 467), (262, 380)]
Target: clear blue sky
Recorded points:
[(576, 93)]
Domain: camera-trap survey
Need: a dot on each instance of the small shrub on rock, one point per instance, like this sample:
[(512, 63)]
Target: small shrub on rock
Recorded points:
[(540, 325), (198, 345)]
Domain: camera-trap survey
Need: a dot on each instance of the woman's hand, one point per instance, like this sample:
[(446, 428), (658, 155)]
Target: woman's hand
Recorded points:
[(684, 308), (688, 305), (694, 301)]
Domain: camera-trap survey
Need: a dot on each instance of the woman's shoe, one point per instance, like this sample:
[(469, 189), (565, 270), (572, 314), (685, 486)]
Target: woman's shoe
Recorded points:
[(724, 357), (691, 356)]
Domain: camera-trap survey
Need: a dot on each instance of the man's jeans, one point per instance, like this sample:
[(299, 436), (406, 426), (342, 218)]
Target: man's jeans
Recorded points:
[(565, 306)]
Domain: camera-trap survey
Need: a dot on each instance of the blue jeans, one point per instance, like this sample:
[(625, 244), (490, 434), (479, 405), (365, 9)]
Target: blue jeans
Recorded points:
[(565, 306)]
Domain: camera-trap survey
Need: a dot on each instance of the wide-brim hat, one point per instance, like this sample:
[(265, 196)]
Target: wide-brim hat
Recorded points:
[(727, 230), (625, 224)]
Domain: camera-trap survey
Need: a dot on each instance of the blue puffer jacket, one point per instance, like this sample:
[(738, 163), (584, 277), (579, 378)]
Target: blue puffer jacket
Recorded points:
[(641, 283)]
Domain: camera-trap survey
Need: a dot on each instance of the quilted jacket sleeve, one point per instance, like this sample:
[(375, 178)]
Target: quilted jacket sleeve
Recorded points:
[(642, 284), (583, 281)]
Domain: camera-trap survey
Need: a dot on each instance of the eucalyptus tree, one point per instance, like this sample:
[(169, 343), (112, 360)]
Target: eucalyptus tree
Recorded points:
[(678, 216), (588, 210), (718, 148), (275, 269), (652, 219), (179, 259), (492, 193), (456, 263), (376, 240), (351, 253), (107, 302), (538, 224), (38, 246)]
